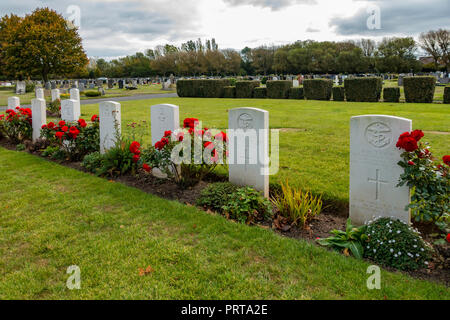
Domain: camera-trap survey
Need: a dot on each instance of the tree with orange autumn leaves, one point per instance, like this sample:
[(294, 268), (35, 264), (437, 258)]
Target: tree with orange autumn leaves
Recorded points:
[(42, 43)]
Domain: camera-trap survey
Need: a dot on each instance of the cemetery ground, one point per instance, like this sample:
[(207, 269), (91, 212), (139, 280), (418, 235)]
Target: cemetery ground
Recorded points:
[(54, 216), (112, 230), (110, 93)]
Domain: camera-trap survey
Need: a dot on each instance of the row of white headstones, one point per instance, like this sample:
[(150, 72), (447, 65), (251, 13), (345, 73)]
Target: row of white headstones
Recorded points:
[(374, 169)]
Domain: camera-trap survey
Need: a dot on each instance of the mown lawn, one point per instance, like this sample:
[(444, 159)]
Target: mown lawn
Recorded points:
[(314, 135), (53, 217), (113, 93)]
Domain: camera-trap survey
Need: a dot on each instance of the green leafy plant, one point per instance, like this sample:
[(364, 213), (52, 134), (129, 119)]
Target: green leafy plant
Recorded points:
[(91, 94), (16, 125), (352, 240), (20, 147), (246, 205), (216, 195), (54, 108), (93, 162), (428, 179), (297, 206), (118, 160), (54, 152), (395, 244)]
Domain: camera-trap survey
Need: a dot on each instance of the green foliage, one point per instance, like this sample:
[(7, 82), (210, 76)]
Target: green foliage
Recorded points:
[(229, 92), (395, 244), (54, 108), (317, 89), (30, 87), (338, 94), (278, 89), (260, 93), (447, 95), (297, 206), (54, 152), (117, 160), (296, 93), (216, 195), (20, 147), (419, 89), (92, 162), (244, 89), (430, 184), (246, 205), (264, 80), (363, 89), (353, 239), (202, 88), (391, 94), (92, 93)]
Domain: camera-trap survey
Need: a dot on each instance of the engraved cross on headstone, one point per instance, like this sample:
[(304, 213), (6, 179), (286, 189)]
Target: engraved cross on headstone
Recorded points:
[(378, 183)]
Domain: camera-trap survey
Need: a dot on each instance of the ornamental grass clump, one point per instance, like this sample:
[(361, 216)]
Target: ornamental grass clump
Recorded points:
[(395, 244)]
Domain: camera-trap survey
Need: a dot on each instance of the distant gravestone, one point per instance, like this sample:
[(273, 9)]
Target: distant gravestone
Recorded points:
[(81, 88), (101, 90), (52, 85), (121, 84), (40, 93), (295, 83), (55, 95), (74, 94), (70, 110), (110, 84), (249, 148), (400, 81), (48, 86), (21, 87), (13, 102), (374, 169), (39, 112), (91, 86), (110, 124), (164, 117)]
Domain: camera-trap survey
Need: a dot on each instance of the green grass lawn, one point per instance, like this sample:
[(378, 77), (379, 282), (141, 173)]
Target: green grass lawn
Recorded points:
[(144, 89), (53, 217), (314, 137)]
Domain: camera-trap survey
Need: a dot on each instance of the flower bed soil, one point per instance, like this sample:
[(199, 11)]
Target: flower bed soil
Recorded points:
[(320, 227)]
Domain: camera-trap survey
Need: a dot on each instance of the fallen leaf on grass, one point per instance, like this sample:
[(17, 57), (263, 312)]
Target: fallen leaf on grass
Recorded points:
[(143, 272)]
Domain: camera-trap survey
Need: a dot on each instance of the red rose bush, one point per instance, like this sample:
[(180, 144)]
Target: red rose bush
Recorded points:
[(16, 125)]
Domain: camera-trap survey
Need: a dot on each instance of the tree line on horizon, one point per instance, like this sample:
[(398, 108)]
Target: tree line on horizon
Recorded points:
[(44, 45)]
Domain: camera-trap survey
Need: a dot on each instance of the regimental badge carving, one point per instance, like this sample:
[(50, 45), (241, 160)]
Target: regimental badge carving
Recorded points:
[(379, 135), (162, 116), (245, 121)]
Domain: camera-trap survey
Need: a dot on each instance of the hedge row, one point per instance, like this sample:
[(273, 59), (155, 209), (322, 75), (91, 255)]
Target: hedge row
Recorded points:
[(260, 93), (296, 93), (229, 92), (419, 89), (391, 94), (447, 95), (318, 89), (202, 88), (338, 93), (363, 89), (278, 89), (244, 89)]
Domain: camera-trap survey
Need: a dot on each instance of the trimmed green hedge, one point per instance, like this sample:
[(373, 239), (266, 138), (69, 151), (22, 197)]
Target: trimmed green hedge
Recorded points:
[(229, 92), (260, 93), (363, 89), (338, 93), (419, 89), (391, 94), (210, 88), (447, 95), (244, 89), (296, 93), (278, 89), (91, 94), (317, 89)]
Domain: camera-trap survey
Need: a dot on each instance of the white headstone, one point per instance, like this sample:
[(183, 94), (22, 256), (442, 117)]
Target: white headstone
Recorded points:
[(55, 94), (110, 124), (39, 116), (295, 83), (74, 94), (21, 87), (40, 93), (13, 102), (70, 110), (164, 117), (374, 169), (249, 148)]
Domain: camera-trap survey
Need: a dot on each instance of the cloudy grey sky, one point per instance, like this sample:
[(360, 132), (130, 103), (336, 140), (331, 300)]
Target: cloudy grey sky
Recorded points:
[(112, 28)]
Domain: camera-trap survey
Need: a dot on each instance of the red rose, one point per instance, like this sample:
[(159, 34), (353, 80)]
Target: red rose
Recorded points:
[(411, 163), (94, 118), (134, 147), (82, 123), (417, 134), (448, 237), (208, 145), (43, 126), (64, 128), (222, 136), (190, 123), (59, 135), (446, 160), (407, 142), (74, 132), (159, 145), (167, 133), (51, 125), (180, 136), (135, 158), (62, 123), (146, 167)]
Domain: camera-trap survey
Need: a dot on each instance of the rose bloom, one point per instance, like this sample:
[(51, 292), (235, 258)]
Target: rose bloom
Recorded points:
[(51, 125), (135, 158), (94, 118), (82, 123), (446, 160), (62, 123), (167, 133), (59, 135), (146, 167), (134, 147), (417, 135)]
